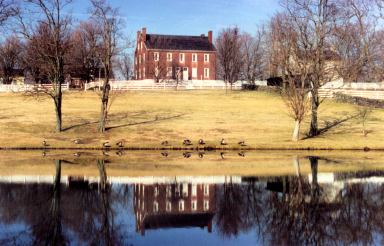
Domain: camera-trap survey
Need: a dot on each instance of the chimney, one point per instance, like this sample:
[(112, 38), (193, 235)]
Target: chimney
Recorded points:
[(210, 36), (144, 34)]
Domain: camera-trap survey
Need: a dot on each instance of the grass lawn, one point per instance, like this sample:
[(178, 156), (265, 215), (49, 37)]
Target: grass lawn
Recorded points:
[(145, 119)]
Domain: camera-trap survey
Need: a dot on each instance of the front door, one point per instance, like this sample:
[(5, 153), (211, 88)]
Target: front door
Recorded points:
[(185, 73)]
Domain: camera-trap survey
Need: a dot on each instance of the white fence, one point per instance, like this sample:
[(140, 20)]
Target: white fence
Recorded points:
[(29, 87), (167, 85), (371, 94)]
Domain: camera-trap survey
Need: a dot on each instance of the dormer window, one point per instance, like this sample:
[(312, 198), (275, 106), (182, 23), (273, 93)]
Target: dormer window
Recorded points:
[(156, 56), (181, 57)]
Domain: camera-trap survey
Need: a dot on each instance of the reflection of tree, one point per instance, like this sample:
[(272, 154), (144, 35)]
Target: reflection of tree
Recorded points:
[(238, 208), (49, 230)]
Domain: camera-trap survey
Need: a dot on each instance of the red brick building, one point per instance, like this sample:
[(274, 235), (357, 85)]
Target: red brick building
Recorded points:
[(174, 57)]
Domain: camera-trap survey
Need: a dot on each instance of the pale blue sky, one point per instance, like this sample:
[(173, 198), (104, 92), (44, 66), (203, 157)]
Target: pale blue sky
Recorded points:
[(187, 17)]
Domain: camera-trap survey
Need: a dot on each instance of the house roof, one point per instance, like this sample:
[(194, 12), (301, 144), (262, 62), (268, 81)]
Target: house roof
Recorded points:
[(172, 42)]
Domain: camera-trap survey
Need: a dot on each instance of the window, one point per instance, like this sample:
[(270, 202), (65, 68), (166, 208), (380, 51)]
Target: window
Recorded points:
[(139, 59), (181, 205), (206, 73), (194, 190), (194, 57), (141, 45), (194, 205), (206, 190), (194, 72), (143, 72), (169, 71), (206, 57), (156, 56), (168, 206), (181, 57), (156, 191), (169, 56), (155, 207), (168, 191), (206, 205), (143, 57), (185, 190)]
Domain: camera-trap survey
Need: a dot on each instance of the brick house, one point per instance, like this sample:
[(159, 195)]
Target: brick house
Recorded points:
[(174, 57)]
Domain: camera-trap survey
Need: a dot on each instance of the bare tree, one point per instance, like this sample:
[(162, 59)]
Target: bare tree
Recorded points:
[(313, 20), (108, 21), (49, 42), (84, 58), (125, 66), (254, 56), (10, 58), (358, 40), (228, 45), (8, 8), (295, 70)]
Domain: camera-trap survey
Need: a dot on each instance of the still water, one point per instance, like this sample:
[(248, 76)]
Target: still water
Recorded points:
[(297, 207)]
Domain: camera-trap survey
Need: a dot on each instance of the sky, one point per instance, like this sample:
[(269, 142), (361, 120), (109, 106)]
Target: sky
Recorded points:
[(187, 17)]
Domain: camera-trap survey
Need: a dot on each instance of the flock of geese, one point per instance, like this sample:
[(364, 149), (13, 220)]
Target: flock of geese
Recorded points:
[(186, 142), (120, 144)]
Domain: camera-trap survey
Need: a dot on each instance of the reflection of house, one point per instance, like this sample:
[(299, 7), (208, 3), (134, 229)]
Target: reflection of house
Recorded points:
[(174, 205)]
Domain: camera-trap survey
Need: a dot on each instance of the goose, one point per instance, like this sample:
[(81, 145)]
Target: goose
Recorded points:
[(77, 141), (119, 153), (106, 144), (201, 155), (223, 142), (165, 154), (165, 143), (187, 142), (222, 155), (242, 143), (45, 144), (242, 154), (77, 154), (120, 144), (44, 154), (105, 153), (201, 142), (187, 155)]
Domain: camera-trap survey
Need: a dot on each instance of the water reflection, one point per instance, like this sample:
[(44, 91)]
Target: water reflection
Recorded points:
[(302, 209)]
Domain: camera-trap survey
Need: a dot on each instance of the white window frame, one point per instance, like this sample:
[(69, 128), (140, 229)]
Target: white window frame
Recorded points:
[(194, 205), (155, 206), (194, 190), (156, 191), (206, 73), (206, 190), (194, 55), (185, 189), (181, 205), (168, 206), (206, 205), (156, 56), (169, 57), (182, 57), (206, 57)]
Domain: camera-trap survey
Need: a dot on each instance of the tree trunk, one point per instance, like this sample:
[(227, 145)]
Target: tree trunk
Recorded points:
[(104, 106), (296, 131), (58, 103), (314, 131), (103, 175)]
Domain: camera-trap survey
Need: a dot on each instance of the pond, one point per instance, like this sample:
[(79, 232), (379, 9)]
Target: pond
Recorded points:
[(141, 198)]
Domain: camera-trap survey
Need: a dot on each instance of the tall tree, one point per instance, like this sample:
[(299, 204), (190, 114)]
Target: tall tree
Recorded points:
[(125, 66), (10, 56), (49, 41), (108, 21), (8, 8), (313, 20), (228, 45)]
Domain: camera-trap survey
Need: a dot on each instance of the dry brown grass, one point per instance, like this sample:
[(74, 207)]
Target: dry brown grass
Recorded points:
[(145, 119)]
